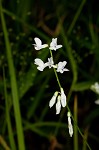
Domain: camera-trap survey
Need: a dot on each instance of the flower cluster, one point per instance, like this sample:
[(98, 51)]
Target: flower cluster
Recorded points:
[(60, 67), (59, 97), (61, 100)]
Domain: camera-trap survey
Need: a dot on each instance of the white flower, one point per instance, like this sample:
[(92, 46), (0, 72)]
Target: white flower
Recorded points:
[(95, 87), (97, 102), (50, 63), (39, 44), (58, 105), (61, 67), (63, 98), (53, 99), (70, 124), (53, 44), (40, 63)]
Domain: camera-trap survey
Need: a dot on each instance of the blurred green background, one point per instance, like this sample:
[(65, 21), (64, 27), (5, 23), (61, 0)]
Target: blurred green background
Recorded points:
[(26, 121)]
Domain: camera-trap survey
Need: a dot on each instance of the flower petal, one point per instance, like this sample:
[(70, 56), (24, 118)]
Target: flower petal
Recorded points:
[(38, 44), (40, 64), (44, 45), (58, 46), (53, 44), (50, 62), (60, 67), (97, 102), (38, 41), (40, 68), (95, 87)]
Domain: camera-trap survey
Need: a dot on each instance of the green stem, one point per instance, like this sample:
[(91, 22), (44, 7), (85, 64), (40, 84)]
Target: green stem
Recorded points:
[(56, 73), (85, 138), (75, 125)]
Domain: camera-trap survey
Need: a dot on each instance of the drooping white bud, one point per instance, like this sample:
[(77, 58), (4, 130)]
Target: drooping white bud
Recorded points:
[(70, 124), (63, 98), (58, 105), (53, 99)]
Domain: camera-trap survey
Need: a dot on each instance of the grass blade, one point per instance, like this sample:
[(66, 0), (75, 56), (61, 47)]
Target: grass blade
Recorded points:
[(10, 132), (14, 89), (76, 16)]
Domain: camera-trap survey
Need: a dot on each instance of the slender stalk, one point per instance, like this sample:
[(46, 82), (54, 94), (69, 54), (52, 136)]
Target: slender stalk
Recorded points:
[(76, 16), (56, 72), (3, 143), (75, 125), (85, 138), (14, 89)]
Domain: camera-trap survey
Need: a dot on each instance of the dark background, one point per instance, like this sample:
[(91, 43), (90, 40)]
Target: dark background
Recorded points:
[(79, 31)]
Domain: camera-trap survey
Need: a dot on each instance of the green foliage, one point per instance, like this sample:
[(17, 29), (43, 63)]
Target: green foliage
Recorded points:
[(25, 92)]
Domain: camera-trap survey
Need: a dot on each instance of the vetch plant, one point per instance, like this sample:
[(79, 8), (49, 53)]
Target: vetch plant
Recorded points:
[(59, 97), (60, 67)]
